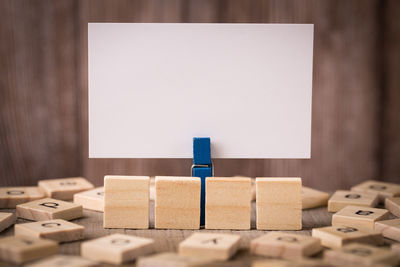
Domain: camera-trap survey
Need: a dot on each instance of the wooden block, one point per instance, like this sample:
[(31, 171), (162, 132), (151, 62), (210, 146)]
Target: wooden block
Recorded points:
[(383, 189), (63, 260), (65, 188), (126, 202), (228, 203), (210, 245), (338, 236), (91, 199), (58, 230), (168, 259), (389, 228), (285, 245), (20, 249), (177, 202), (343, 198), (392, 204), (12, 196), (396, 248), (360, 217), (278, 203), (6, 220), (361, 255), (48, 209), (312, 198), (117, 248)]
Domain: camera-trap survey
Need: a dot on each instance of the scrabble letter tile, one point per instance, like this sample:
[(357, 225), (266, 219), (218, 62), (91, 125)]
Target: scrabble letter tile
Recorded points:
[(312, 198), (228, 203), (63, 260), (278, 203), (6, 220), (48, 209), (20, 249), (360, 217), (284, 245), (338, 236), (12, 196), (389, 228), (392, 204), (343, 198), (58, 230), (91, 199), (210, 245), (65, 188), (126, 202), (117, 248), (383, 189), (168, 259), (177, 203)]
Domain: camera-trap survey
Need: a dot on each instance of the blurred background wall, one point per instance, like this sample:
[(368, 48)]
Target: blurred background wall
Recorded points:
[(356, 88)]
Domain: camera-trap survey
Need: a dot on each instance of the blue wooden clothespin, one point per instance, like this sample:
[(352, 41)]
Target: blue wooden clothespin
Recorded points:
[(202, 167)]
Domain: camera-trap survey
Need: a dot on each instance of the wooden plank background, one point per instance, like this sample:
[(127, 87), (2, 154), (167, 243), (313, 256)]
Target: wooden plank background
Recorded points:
[(356, 87)]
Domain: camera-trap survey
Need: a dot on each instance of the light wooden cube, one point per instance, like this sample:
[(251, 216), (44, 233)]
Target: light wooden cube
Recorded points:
[(383, 189), (312, 198), (20, 249), (389, 228), (168, 259), (48, 209), (392, 204), (91, 199), (6, 220), (210, 245), (278, 203), (12, 196), (343, 198), (64, 188), (177, 202), (117, 248), (360, 254), (358, 216), (126, 202), (338, 236), (228, 203), (63, 260), (58, 230), (396, 248), (285, 245)]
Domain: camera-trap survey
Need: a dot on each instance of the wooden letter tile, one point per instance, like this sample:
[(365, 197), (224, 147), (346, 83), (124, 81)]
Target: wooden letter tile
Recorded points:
[(228, 203), (389, 228), (48, 209), (285, 245), (210, 245), (126, 202), (343, 198), (12, 196), (58, 230), (392, 204), (338, 236), (117, 248), (177, 203), (64, 188), (168, 259), (383, 189), (360, 217), (6, 220), (63, 260), (278, 203), (312, 198), (20, 249), (91, 199)]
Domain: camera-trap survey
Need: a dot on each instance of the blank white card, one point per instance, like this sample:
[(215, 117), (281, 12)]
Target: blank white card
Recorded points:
[(153, 87)]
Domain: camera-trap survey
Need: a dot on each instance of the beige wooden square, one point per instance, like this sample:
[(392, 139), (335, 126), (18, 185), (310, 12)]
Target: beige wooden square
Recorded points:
[(383, 189), (63, 260), (126, 202), (392, 204), (357, 216), (360, 254), (48, 209), (92, 199), (12, 196), (117, 248), (228, 203), (58, 230), (389, 228), (285, 245), (396, 248), (343, 198), (210, 245), (312, 198), (169, 259), (278, 203), (64, 188), (6, 220), (177, 202), (338, 236), (20, 249)]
